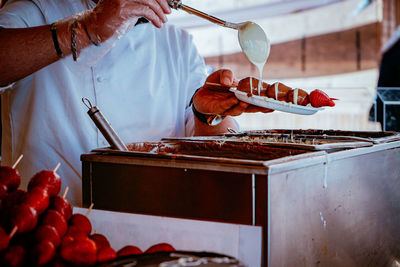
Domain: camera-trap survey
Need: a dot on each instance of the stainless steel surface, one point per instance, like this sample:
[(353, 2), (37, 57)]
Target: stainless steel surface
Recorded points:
[(283, 140), (342, 211), (364, 136), (316, 208), (104, 126), (177, 4)]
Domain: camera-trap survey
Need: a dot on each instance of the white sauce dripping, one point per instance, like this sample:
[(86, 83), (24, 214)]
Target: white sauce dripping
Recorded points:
[(256, 46), (276, 90), (295, 95)]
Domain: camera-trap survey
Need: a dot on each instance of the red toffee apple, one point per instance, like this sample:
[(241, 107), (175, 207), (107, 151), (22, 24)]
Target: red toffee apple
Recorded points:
[(8, 204), (81, 221), (54, 218), (106, 254), (160, 247), (76, 232), (14, 256), (62, 206), (4, 239), (38, 198), (42, 253), (24, 217), (46, 178), (57, 262), (100, 240), (10, 177), (14, 198), (47, 232), (3, 191), (129, 250), (79, 252)]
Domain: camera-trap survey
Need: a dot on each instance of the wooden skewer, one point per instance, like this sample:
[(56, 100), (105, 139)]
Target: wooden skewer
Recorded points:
[(18, 160), (218, 87), (13, 231), (215, 84), (57, 166), (65, 192), (89, 210)]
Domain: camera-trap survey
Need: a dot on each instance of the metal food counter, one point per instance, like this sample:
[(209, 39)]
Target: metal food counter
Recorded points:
[(323, 198)]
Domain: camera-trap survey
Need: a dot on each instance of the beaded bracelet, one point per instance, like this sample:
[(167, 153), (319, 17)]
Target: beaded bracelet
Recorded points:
[(73, 40), (55, 40)]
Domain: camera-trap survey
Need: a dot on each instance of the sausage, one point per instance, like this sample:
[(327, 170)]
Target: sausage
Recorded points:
[(298, 97), (251, 82), (280, 89)]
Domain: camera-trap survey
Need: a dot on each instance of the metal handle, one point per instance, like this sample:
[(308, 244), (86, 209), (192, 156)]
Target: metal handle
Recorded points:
[(177, 4), (104, 126)]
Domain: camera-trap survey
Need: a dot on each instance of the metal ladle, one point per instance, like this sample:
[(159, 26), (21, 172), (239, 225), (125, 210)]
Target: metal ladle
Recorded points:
[(249, 33)]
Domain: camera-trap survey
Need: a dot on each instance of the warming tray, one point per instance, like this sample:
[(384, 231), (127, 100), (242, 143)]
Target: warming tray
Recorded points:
[(210, 150), (364, 136), (281, 140)]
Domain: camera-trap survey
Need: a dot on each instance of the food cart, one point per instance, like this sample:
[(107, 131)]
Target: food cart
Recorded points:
[(321, 197)]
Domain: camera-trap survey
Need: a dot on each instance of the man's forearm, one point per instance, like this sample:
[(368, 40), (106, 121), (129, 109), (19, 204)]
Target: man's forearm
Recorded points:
[(26, 50), (202, 129)]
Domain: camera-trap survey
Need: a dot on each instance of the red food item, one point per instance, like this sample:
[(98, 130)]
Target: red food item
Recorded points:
[(4, 239), (48, 179), (47, 232), (54, 218), (14, 198), (278, 89), (3, 191), (67, 239), (38, 198), (42, 253), (57, 262), (82, 222), (106, 254), (251, 86), (160, 247), (100, 240), (321, 99), (62, 206), (79, 251), (302, 97), (76, 232), (129, 250), (10, 177), (24, 217), (14, 256)]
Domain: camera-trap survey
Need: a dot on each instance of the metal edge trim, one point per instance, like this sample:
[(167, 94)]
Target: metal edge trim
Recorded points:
[(172, 163), (268, 260), (363, 150)]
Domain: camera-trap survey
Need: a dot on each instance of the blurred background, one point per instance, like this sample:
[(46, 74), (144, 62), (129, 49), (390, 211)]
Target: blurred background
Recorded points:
[(333, 45)]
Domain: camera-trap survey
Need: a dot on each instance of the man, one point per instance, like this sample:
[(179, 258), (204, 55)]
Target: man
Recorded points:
[(142, 77)]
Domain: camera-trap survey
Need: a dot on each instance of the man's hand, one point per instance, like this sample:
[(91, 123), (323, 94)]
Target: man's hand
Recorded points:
[(209, 101), (120, 15)]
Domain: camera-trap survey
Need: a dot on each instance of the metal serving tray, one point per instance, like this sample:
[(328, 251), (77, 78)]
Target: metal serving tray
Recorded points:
[(212, 150), (364, 136), (282, 141)]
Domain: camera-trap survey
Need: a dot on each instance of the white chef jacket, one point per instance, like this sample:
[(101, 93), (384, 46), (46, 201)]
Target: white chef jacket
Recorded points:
[(143, 86)]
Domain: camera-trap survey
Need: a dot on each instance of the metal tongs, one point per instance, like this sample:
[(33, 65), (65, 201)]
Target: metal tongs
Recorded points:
[(177, 4)]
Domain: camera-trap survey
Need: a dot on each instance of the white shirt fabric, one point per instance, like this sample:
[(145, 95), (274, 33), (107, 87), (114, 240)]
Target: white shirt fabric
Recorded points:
[(143, 86)]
